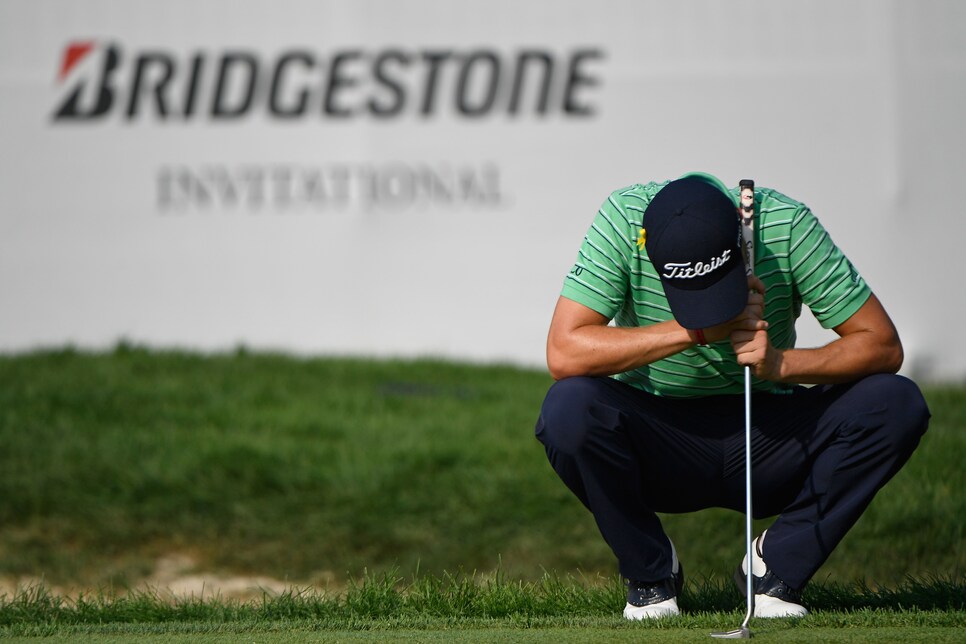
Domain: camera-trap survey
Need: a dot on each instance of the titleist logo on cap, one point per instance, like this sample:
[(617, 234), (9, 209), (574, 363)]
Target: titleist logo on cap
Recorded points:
[(685, 271)]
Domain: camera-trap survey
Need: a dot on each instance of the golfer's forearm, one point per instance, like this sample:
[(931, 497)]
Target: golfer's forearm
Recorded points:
[(843, 360), (596, 350)]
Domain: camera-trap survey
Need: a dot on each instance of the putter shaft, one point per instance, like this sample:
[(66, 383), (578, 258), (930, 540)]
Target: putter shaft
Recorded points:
[(743, 632)]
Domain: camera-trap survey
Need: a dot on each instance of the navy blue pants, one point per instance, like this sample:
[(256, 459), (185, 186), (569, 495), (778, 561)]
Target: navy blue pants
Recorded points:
[(819, 457)]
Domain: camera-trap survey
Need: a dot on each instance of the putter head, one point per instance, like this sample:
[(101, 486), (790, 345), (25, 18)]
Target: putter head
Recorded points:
[(742, 633)]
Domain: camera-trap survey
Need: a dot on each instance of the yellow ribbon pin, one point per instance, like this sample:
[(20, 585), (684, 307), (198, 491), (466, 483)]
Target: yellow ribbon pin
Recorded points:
[(641, 239)]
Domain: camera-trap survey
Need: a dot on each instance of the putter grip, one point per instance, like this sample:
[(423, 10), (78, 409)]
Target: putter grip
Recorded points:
[(746, 213)]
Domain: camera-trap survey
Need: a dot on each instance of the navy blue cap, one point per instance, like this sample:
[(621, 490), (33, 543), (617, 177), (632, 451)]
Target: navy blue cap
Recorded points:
[(693, 239)]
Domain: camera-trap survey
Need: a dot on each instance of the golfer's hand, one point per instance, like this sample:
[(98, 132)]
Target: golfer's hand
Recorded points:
[(750, 320), (750, 338)]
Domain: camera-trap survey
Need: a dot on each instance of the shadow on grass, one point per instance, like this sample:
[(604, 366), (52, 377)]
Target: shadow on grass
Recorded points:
[(926, 594)]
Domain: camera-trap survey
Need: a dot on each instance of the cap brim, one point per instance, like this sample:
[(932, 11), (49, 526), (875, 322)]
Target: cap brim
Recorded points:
[(711, 306)]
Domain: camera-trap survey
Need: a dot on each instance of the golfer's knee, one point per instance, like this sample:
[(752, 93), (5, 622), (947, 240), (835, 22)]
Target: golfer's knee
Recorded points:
[(564, 422), (911, 410), (906, 414)]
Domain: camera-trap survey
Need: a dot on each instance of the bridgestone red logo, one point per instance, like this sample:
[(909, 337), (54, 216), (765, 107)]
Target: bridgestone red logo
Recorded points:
[(103, 81)]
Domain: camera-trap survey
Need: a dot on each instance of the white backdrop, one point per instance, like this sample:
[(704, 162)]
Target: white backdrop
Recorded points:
[(414, 204)]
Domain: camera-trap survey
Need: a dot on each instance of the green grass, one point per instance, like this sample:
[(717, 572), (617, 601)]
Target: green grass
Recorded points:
[(305, 469), (330, 473), (471, 609)]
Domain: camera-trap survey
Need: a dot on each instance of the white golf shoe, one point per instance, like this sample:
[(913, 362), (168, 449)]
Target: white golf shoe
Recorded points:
[(666, 608), (773, 597), (654, 600)]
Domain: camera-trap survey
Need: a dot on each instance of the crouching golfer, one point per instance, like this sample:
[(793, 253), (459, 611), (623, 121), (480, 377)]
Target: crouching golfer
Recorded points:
[(646, 414)]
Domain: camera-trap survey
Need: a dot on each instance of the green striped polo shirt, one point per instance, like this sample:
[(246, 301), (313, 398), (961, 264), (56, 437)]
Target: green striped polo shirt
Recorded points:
[(794, 256)]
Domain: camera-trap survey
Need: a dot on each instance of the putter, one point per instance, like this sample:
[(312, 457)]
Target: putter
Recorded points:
[(747, 214)]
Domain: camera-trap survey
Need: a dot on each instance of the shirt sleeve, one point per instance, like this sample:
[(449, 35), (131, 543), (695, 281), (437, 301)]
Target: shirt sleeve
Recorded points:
[(824, 277), (599, 278)]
